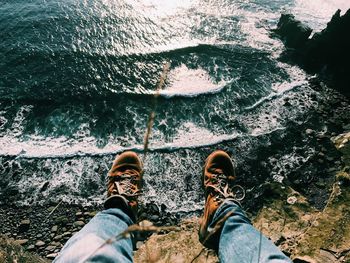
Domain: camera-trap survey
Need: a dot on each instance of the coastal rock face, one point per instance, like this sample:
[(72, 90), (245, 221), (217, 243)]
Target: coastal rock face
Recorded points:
[(327, 51), (292, 31), (305, 233)]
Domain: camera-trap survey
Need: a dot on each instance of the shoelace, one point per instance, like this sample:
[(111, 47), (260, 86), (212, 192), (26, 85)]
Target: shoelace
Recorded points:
[(125, 184), (222, 187)]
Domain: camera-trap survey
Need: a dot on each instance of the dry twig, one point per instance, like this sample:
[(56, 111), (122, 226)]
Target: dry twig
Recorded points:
[(152, 114), (53, 210)]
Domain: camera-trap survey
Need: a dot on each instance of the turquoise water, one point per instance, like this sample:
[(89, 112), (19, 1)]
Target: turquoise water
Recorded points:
[(77, 80)]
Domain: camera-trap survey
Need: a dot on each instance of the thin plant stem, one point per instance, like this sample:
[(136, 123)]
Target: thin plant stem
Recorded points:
[(152, 114), (53, 210)]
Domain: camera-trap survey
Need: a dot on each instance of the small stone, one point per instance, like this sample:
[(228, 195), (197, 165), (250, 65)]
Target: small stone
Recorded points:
[(50, 248), (52, 255), (56, 244), (309, 131), (56, 238), (321, 135), (66, 234), (30, 247), (54, 229), (163, 207), (22, 241), (346, 127), (332, 170), (39, 236), (40, 243), (93, 213), (320, 184), (154, 218), (62, 220), (24, 225), (44, 186), (78, 214), (330, 158), (153, 208), (321, 154), (79, 223)]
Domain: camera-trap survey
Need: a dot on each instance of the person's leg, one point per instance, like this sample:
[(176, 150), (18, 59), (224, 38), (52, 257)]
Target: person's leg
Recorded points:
[(224, 226), (89, 244), (240, 241), (123, 188)]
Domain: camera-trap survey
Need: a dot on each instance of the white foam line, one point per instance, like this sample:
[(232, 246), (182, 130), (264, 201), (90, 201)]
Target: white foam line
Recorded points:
[(167, 147), (271, 96), (170, 94)]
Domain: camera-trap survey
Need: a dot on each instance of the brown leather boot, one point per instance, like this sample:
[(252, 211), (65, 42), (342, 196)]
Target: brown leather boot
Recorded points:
[(218, 176), (124, 183)]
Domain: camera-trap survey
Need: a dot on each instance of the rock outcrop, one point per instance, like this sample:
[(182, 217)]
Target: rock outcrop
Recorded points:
[(326, 52), (293, 32), (305, 233)]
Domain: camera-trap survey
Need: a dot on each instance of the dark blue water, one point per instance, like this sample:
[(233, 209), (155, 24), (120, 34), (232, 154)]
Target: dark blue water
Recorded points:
[(77, 80)]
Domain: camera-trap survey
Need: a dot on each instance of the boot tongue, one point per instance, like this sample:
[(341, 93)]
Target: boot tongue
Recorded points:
[(125, 169), (220, 172)]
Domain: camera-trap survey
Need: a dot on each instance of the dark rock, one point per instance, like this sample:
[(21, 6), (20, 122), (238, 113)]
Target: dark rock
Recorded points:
[(62, 220), (292, 31), (330, 158), (346, 127), (326, 53), (24, 225), (154, 218), (44, 186), (163, 207), (153, 209)]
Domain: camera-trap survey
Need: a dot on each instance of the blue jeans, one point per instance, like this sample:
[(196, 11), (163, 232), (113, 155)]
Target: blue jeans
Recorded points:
[(239, 240)]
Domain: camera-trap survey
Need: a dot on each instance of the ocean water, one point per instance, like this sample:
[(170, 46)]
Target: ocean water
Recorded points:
[(77, 80)]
